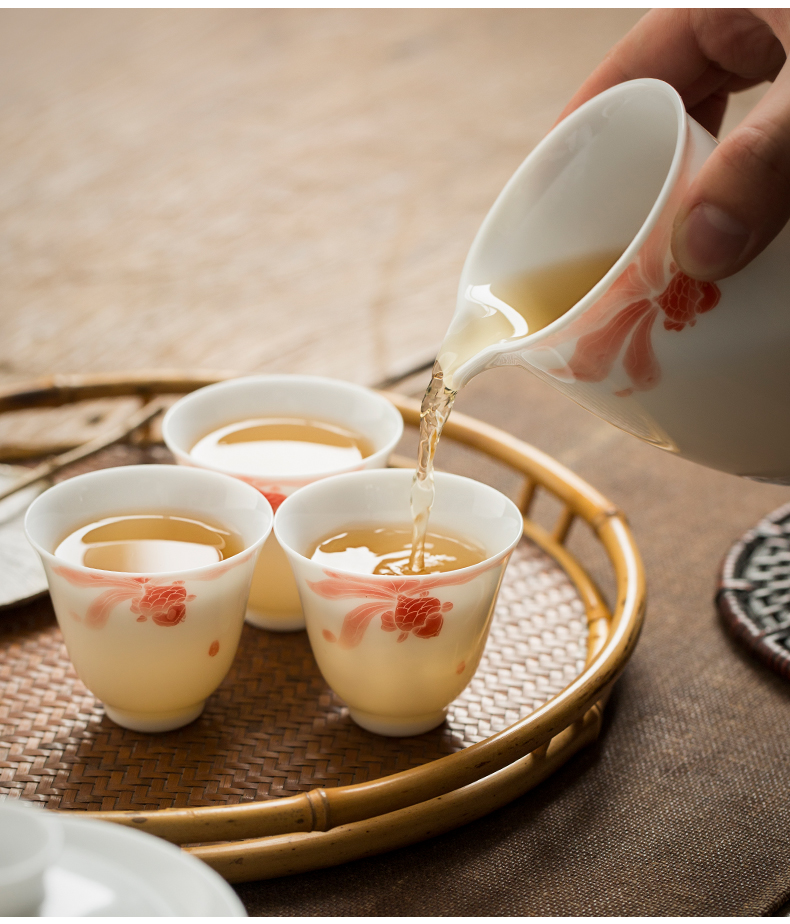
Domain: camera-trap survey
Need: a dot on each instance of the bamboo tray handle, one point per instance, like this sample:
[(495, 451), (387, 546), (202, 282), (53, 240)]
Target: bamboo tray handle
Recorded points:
[(284, 855), (46, 469), (57, 390)]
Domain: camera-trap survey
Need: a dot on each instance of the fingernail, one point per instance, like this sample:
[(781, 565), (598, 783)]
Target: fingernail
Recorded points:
[(708, 242)]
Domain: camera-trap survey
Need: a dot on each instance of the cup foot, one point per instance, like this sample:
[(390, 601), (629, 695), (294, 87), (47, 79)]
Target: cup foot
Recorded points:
[(395, 727), (275, 622), (154, 721)]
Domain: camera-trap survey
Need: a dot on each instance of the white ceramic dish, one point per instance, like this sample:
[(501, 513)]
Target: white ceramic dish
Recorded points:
[(108, 870), (30, 842), (23, 573)]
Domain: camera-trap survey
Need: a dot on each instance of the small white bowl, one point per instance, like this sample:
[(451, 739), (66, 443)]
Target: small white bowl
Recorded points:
[(274, 601), (150, 646), (29, 843), (401, 680)]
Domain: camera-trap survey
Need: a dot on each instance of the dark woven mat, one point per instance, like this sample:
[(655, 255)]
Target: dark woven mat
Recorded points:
[(681, 807), (754, 591)]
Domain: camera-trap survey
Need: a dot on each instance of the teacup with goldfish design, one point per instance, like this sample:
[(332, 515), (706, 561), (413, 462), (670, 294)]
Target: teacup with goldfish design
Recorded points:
[(398, 648), (151, 644)]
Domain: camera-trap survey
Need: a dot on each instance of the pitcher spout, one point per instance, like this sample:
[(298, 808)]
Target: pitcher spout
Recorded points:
[(458, 374), (485, 331)]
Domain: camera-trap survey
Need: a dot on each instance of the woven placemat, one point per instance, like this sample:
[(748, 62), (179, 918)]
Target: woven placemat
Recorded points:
[(753, 596), (273, 728)]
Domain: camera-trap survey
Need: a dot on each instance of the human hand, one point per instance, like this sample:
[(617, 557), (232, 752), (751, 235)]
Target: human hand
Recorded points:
[(741, 198)]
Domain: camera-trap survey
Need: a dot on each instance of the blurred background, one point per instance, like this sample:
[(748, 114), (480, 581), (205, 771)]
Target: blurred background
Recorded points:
[(261, 191)]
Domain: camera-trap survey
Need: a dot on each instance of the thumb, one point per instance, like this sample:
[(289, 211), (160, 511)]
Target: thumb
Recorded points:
[(741, 199)]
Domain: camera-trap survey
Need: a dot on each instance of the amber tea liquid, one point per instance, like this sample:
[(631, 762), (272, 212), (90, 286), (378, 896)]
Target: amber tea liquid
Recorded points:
[(281, 445), (387, 550), (149, 542)]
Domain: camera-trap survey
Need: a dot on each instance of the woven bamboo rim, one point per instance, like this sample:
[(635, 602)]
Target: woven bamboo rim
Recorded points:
[(326, 827)]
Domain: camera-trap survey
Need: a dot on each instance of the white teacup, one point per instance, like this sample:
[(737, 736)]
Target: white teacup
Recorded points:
[(398, 650), (274, 600), (152, 646), (30, 842)]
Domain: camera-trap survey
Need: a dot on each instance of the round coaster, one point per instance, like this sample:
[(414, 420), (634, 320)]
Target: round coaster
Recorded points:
[(753, 596)]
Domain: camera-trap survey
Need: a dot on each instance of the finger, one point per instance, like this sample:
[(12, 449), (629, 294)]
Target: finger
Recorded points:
[(710, 112), (661, 45), (699, 52), (741, 198)]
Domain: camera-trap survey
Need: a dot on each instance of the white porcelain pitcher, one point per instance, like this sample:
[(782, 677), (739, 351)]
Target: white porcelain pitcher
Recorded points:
[(700, 369)]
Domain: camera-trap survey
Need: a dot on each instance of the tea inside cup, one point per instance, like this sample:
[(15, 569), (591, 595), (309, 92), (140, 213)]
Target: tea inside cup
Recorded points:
[(250, 428), (153, 644), (397, 648)]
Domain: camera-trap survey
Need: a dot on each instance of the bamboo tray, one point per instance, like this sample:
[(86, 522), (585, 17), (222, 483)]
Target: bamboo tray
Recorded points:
[(274, 778)]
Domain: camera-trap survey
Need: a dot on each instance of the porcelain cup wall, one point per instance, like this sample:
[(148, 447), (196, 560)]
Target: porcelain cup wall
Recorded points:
[(30, 842), (696, 368), (398, 650), (274, 600), (152, 647)]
